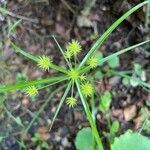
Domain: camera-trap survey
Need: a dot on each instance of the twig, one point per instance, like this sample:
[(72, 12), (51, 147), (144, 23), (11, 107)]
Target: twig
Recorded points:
[(2, 10)]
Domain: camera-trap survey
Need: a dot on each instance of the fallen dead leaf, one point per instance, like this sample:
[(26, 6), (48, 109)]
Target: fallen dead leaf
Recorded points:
[(138, 122), (118, 113), (130, 112)]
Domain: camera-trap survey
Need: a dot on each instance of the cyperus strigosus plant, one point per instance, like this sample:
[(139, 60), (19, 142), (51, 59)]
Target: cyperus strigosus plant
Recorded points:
[(75, 73)]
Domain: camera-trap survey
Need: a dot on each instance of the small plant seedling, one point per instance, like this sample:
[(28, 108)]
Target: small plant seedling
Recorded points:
[(84, 139), (40, 144), (75, 74), (105, 102)]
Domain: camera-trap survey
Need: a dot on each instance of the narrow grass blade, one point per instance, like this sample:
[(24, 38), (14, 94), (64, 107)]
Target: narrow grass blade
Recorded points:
[(35, 58), (11, 28), (29, 56), (109, 31), (43, 106), (90, 118), (30, 83), (12, 117), (122, 51), (5, 11), (60, 104), (61, 50)]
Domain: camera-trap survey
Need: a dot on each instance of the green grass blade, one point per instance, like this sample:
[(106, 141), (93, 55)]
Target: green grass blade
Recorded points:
[(60, 104), (109, 31), (90, 118), (29, 56), (12, 117), (12, 28), (35, 58), (61, 50), (122, 51), (30, 83), (43, 106)]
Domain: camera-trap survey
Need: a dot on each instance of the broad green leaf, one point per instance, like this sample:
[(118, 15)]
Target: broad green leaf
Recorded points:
[(131, 141), (114, 62), (105, 101), (134, 81), (98, 74), (114, 127), (84, 139), (125, 81)]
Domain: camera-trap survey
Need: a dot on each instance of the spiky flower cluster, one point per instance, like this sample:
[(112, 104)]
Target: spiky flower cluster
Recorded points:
[(44, 62), (73, 48), (73, 74), (71, 101), (87, 89), (31, 91), (92, 62), (82, 78)]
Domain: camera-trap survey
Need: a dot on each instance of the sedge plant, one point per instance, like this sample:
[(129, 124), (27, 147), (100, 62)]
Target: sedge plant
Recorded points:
[(75, 74)]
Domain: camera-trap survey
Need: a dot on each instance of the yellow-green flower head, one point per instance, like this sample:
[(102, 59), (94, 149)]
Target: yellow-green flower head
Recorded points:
[(92, 62), (71, 101), (44, 62), (74, 47), (82, 78), (73, 74), (87, 89), (68, 54), (31, 91)]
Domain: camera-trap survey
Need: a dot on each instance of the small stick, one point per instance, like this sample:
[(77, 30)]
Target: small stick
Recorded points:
[(18, 16)]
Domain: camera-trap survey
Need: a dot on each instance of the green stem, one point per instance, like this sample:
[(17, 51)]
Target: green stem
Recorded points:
[(90, 118)]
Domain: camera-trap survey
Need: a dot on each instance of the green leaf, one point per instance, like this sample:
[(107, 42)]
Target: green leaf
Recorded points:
[(36, 59), (45, 145), (102, 38), (99, 57), (134, 81), (18, 120), (89, 117), (98, 74), (30, 83), (114, 62), (11, 26), (131, 141), (125, 81), (84, 139), (60, 103), (105, 101), (114, 127)]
